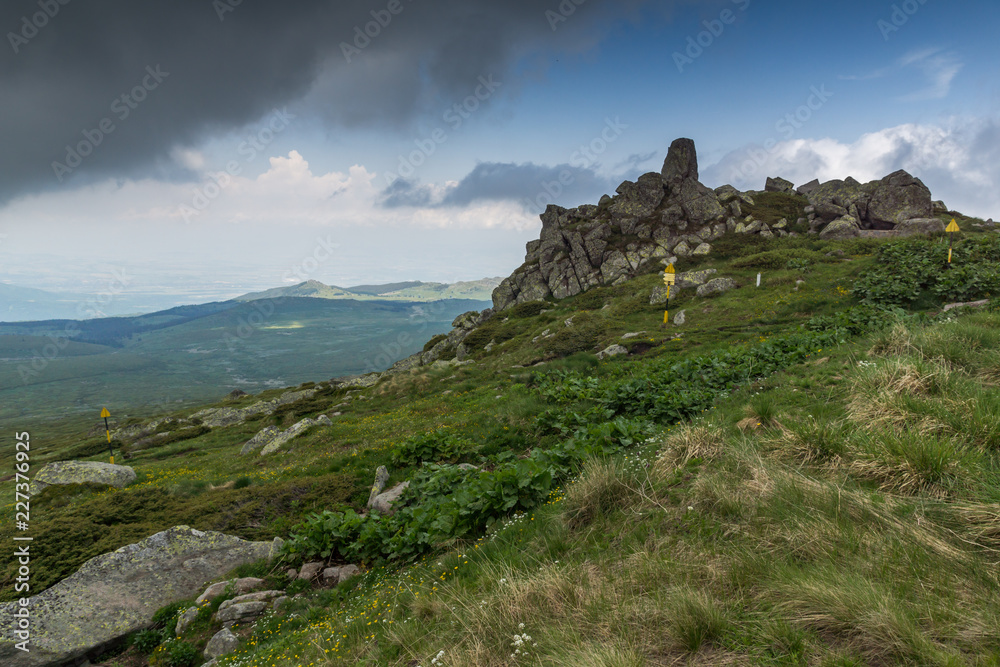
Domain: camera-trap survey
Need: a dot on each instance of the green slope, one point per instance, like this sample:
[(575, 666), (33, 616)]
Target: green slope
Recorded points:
[(787, 478)]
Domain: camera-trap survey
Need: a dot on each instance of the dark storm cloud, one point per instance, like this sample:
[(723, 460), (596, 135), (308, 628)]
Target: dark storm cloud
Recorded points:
[(200, 69), (406, 193), (532, 185)]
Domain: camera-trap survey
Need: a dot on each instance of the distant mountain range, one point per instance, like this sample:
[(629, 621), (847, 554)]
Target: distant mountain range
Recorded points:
[(24, 304), (415, 290)]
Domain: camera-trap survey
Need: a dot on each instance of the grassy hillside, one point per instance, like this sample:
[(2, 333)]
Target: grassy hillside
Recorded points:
[(184, 356), (801, 473), (477, 290)]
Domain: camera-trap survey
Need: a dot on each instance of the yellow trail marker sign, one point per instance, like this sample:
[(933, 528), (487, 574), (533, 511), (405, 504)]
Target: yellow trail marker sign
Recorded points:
[(951, 229), (106, 414), (669, 279)]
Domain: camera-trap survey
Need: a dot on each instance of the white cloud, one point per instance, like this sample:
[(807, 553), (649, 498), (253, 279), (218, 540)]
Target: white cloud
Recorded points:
[(958, 160), (937, 67)]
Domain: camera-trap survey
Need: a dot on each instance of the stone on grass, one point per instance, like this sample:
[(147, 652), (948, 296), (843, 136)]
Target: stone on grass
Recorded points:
[(117, 593), (222, 643), (381, 477), (81, 472), (348, 571), (716, 286), (612, 351), (184, 620), (384, 501), (309, 571)]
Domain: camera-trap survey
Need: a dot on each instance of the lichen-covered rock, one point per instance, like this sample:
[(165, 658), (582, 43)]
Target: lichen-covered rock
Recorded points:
[(117, 593), (680, 318), (716, 286), (844, 227), (702, 249), (310, 571), (215, 417), (466, 320), (612, 351), (222, 643), (920, 226), (362, 381), (276, 441), (381, 477), (694, 278), (681, 162), (184, 620), (897, 198), (384, 501), (348, 571), (81, 472), (778, 185), (240, 612), (808, 188)]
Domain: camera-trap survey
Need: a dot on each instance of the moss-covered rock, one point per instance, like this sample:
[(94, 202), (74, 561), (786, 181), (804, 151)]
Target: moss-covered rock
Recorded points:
[(81, 472), (117, 593)]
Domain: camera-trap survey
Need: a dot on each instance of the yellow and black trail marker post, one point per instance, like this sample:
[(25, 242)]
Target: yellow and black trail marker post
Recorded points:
[(951, 229), (669, 278), (106, 414)]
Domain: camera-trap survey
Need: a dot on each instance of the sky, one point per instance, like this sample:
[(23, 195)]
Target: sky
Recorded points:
[(215, 147)]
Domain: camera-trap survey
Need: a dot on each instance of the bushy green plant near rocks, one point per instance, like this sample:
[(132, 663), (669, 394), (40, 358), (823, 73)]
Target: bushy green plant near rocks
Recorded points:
[(436, 446), (906, 271), (175, 653)]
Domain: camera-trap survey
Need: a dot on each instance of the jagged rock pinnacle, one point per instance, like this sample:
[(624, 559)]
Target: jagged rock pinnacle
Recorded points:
[(681, 163)]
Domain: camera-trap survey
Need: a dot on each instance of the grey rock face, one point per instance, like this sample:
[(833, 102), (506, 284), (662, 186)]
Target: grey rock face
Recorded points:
[(681, 162), (842, 228), (242, 611), (117, 593), (381, 477), (920, 226), (899, 197), (612, 351), (716, 286), (384, 501), (778, 185), (222, 643), (273, 440), (214, 417), (808, 188), (184, 620), (80, 472)]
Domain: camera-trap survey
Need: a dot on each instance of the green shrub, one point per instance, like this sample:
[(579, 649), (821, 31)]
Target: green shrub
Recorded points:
[(770, 207), (175, 653), (242, 483), (779, 259), (439, 445), (146, 641), (739, 245), (582, 337), (434, 341), (183, 434), (527, 309)]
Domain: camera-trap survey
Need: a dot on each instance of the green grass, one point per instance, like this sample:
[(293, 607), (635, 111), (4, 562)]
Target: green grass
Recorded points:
[(839, 511)]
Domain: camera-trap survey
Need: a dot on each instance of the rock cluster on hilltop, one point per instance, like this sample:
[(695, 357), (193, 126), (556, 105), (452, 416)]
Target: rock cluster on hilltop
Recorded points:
[(673, 213)]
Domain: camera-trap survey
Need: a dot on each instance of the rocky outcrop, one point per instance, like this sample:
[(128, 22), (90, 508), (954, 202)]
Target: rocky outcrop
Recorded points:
[(878, 205), (215, 417), (117, 593), (381, 477), (647, 220), (81, 472), (270, 439)]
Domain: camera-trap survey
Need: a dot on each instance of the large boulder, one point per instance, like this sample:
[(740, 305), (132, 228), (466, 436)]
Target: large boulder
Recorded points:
[(384, 501), (271, 439), (81, 472), (215, 417), (716, 286), (638, 200), (845, 227), (117, 593), (920, 226), (381, 477), (843, 195), (778, 185), (897, 198), (222, 643), (681, 163)]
